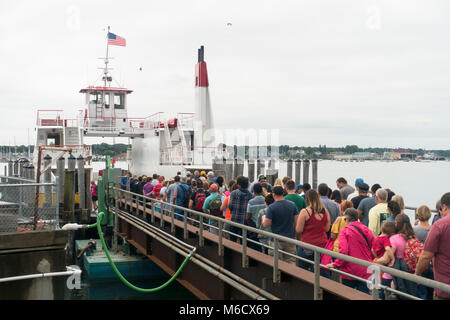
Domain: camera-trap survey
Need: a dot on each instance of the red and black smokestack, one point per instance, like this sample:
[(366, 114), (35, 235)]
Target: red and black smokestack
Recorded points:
[(201, 73)]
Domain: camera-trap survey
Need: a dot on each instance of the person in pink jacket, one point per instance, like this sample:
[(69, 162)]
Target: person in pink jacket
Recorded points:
[(356, 241)]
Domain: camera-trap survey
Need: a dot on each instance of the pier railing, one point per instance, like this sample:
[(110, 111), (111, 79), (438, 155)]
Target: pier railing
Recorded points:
[(18, 210), (221, 229)]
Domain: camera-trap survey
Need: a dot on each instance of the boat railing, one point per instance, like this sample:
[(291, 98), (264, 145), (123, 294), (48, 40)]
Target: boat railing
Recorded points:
[(154, 121), (83, 150), (186, 120), (221, 230), (49, 118)]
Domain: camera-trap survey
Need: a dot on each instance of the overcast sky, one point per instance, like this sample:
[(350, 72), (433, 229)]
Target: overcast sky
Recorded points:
[(365, 72)]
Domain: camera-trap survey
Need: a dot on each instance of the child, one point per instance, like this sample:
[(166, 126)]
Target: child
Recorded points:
[(382, 249), (381, 245)]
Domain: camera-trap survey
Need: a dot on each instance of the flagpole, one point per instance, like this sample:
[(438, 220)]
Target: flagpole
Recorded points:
[(106, 60)]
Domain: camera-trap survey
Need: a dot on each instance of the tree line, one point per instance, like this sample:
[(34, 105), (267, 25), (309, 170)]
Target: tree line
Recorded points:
[(322, 151)]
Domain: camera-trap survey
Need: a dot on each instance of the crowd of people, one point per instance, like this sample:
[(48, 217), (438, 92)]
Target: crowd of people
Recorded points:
[(360, 221)]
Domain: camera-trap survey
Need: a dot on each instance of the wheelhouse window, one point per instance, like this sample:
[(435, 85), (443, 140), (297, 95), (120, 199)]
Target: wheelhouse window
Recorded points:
[(119, 101), (107, 99), (95, 97)]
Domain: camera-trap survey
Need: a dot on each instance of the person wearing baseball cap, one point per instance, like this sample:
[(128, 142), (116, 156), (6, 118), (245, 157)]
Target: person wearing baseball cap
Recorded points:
[(363, 192), (212, 206), (356, 192), (261, 179), (299, 190)]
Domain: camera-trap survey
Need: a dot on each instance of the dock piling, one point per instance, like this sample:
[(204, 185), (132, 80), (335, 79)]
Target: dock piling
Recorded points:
[(298, 166), (314, 174), (251, 170), (60, 167), (305, 171), (289, 168), (84, 216), (10, 168)]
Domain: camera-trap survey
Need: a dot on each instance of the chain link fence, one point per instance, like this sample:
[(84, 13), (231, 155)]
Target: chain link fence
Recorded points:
[(26, 205)]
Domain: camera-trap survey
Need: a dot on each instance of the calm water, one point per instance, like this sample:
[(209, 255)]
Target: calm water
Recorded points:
[(419, 183), (116, 290)]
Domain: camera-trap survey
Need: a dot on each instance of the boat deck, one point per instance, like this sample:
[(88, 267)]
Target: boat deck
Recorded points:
[(98, 268)]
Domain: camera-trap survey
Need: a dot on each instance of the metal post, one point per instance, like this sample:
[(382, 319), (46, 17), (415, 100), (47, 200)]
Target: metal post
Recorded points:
[(69, 196), (48, 179), (201, 241), (305, 171), (57, 180), (244, 249), (289, 168), (21, 202), (314, 174), (185, 225), (172, 218), (152, 214), (275, 276), (220, 238), (116, 219), (316, 275), (375, 295), (60, 166), (161, 220), (298, 165), (81, 189)]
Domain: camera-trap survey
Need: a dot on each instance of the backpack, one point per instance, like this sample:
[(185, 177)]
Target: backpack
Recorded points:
[(214, 206), (199, 200), (413, 249), (186, 196)]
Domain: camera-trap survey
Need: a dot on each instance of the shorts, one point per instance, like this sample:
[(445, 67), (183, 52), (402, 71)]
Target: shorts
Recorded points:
[(94, 198)]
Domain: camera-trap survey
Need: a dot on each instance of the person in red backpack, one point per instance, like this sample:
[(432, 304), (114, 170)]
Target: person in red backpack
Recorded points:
[(198, 197), (437, 249)]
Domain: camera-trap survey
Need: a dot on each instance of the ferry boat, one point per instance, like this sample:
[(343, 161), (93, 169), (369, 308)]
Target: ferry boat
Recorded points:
[(159, 143)]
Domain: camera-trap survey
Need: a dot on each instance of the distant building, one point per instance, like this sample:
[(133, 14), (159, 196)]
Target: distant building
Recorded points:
[(399, 156), (391, 156), (364, 156), (342, 156)]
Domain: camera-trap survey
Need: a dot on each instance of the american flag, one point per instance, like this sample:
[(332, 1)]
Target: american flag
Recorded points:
[(116, 40)]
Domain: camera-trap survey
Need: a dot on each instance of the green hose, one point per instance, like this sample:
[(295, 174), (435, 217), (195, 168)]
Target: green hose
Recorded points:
[(125, 281)]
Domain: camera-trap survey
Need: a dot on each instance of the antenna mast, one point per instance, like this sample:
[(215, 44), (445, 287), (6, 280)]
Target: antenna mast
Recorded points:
[(106, 59)]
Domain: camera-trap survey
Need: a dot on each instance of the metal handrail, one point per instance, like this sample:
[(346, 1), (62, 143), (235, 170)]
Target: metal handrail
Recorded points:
[(394, 272)]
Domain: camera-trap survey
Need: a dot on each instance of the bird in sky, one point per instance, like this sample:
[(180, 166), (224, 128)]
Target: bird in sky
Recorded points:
[(229, 24)]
